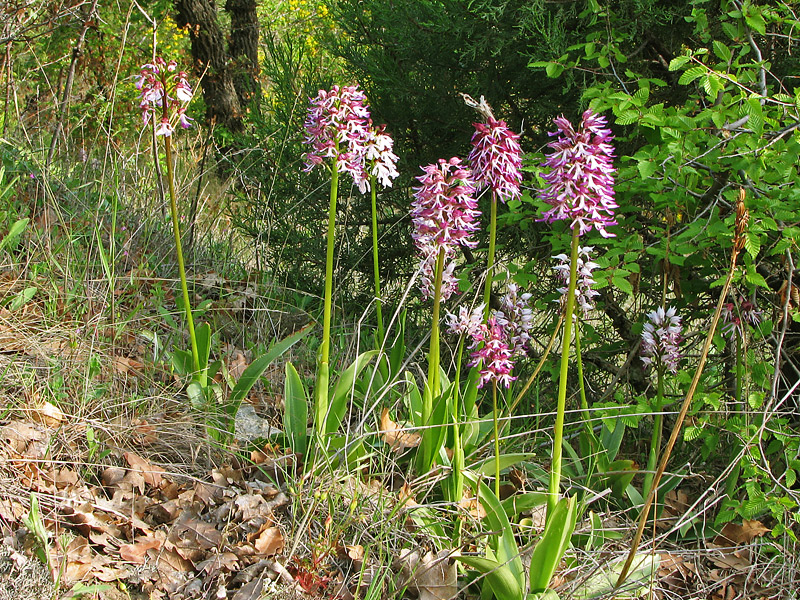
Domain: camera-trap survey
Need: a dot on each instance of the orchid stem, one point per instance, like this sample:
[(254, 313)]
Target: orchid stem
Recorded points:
[(433, 366), (558, 431), (376, 269), (321, 389), (173, 207)]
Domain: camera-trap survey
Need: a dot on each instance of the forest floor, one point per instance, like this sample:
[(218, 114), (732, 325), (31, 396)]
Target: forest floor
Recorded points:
[(113, 489)]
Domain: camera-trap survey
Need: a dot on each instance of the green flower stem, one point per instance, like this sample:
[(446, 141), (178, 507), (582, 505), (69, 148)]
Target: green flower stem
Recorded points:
[(655, 440), (375, 260), (558, 431), (173, 207), (487, 291), (321, 389), (457, 478), (496, 441), (433, 362), (456, 485)]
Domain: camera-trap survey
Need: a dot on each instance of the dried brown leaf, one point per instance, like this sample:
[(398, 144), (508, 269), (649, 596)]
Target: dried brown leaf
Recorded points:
[(86, 519), (733, 534), (269, 541), (123, 365), (48, 415), (397, 438), (729, 558), (137, 552), (251, 506), (473, 507), (433, 576), (150, 473)]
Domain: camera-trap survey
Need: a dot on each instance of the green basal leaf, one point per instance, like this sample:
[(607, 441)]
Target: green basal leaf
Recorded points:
[(498, 576), (202, 334), (339, 400), (603, 582), (519, 503), (295, 416), (255, 369), (11, 238), (486, 466), (505, 544), (554, 542)]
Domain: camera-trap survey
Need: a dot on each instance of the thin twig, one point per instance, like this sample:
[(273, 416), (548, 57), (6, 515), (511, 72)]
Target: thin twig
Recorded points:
[(738, 245)]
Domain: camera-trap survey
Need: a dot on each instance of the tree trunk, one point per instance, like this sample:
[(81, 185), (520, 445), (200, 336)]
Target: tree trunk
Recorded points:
[(211, 62), (243, 50)]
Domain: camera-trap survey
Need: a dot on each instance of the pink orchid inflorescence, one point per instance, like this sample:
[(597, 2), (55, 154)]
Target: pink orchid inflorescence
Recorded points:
[(584, 294), (661, 337), (444, 215), (379, 159), (337, 127), (496, 158), (495, 354), (516, 318), (735, 317), (164, 96), (581, 178), (466, 322)]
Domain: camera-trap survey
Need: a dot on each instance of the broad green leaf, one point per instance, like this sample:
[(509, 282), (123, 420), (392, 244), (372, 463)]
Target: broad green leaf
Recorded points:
[(295, 416), (554, 541), (755, 20), (203, 336), (506, 550), (553, 69), (14, 232), (622, 284), (646, 168), (256, 368), (677, 62), (498, 575), (182, 362), (197, 396), (722, 51), (690, 74), (619, 475), (628, 117), (752, 243), (604, 581), (486, 466), (753, 108), (413, 399), (712, 84), (22, 298), (519, 503), (435, 432), (755, 278), (344, 389)]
